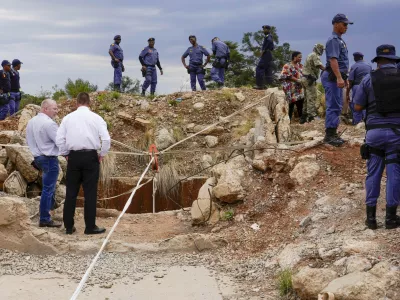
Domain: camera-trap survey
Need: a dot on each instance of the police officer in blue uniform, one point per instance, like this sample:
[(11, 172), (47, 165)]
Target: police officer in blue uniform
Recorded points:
[(196, 66), (5, 88), (334, 78), (15, 94), (117, 58), (222, 54), (264, 67), (379, 94), (149, 59), (357, 73)]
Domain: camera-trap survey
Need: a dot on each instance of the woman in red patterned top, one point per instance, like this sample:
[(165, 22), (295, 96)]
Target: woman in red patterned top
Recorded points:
[(290, 77)]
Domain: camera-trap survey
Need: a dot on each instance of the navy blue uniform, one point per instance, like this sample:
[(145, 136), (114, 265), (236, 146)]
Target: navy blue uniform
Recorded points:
[(195, 54), (264, 67), (222, 54), (15, 94), (150, 58), (119, 54), (5, 86)]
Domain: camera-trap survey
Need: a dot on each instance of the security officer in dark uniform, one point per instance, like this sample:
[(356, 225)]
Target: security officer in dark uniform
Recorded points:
[(264, 67), (15, 93), (117, 58), (334, 78), (379, 94), (5, 88), (149, 59)]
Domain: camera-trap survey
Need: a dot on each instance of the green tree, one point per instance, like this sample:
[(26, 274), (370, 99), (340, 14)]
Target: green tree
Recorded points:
[(240, 71), (58, 93), (128, 85), (73, 88)]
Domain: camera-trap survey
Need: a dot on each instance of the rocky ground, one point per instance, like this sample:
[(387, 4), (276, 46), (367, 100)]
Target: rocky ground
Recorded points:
[(293, 205)]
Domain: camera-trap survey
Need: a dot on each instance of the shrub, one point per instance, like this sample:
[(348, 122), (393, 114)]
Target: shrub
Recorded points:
[(73, 88), (115, 95), (285, 283)]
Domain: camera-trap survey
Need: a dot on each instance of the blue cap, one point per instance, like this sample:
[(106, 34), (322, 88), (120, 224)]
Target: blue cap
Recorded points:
[(117, 37), (5, 63), (151, 39), (266, 26), (341, 18), (386, 51), (358, 54), (16, 62)]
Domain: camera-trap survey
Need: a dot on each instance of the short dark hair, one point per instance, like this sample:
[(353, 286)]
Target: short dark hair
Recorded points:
[(295, 53), (192, 36), (83, 98), (358, 57)]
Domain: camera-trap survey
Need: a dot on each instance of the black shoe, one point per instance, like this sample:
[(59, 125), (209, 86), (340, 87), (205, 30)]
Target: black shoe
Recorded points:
[(70, 230), (338, 137), (331, 139), (392, 220), (257, 87), (51, 224), (143, 94), (117, 87), (310, 119), (371, 218), (95, 230), (303, 119)]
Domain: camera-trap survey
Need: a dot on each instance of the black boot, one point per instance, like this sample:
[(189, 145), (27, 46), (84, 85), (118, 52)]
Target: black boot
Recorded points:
[(303, 118), (371, 218), (338, 137), (330, 137), (392, 220), (143, 93), (310, 119), (117, 87)]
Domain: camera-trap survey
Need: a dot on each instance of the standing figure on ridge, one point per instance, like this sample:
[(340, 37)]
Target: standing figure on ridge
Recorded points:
[(149, 59), (5, 88), (196, 66), (264, 67), (15, 87), (117, 59), (222, 56)]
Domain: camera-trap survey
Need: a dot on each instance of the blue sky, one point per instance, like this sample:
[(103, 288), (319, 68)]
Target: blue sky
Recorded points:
[(60, 39)]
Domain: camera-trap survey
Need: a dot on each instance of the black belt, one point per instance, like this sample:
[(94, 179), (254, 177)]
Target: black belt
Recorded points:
[(14, 91), (151, 66), (83, 150), (377, 126), (196, 64), (50, 156)]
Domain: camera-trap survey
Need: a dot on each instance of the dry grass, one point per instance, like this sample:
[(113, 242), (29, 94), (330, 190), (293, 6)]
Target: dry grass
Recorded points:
[(243, 129), (167, 178), (107, 168)]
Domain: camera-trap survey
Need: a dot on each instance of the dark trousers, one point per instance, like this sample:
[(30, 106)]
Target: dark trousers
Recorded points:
[(83, 168), (264, 72), (299, 105)]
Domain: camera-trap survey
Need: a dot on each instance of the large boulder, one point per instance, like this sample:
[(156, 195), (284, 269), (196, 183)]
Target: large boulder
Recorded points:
[(3, 156), (61, 192), (15, 184), (164, 139), (22, 158), (303, 172), (309, 282), (381, 282), (11, 137), (204, 209), (27, 114), (292, 254), (12, 210), (63, 165), (278, 108), (229, 176)]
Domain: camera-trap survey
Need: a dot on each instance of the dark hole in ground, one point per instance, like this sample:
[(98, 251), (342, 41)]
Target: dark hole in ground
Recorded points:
[(143, 200)]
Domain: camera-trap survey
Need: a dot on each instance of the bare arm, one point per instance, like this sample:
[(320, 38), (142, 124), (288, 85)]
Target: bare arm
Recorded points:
[(358, 107), (336, 71), (322, 68), (207, 61)]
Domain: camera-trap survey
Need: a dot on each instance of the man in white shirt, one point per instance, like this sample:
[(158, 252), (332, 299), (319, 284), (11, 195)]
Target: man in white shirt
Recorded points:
[(80, 135), (41, 137)]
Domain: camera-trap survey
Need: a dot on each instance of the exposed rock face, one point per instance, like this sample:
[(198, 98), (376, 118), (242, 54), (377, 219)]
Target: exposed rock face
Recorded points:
[(3, 174), (278, 108), (229, 188), (309, 282), (27, 113), (11, 137), (293, 253), (22, 158), (192, 242), (164, 139), (61, 192), (12, 210)]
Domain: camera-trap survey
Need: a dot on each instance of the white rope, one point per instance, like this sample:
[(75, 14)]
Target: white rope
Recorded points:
[(89, 270), (215, 124)]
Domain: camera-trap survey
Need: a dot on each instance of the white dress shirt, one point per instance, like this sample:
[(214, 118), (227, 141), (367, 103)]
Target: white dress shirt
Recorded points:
[(83, 129), (41, 136)]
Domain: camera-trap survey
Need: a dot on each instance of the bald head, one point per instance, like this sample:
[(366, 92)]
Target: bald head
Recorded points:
[(49, 108)]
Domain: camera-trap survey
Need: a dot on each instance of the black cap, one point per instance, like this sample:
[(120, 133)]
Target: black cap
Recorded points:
[(266, 27), (341, 18), (16, 62), (117, 37), (5, 63), (386, 51)]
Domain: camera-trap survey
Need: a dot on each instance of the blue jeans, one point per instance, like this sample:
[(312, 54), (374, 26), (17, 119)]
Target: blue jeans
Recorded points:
[(387, 140), (49, 166), (333, 100)]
